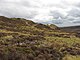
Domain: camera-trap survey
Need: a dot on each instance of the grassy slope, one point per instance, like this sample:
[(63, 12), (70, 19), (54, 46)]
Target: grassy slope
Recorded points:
[(22, 39)]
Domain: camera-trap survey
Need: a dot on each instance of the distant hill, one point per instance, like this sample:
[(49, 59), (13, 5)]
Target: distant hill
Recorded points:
[(71, 29)]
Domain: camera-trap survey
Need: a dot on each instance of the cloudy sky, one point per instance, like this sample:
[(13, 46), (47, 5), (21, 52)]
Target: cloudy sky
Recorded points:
[(59, 12)]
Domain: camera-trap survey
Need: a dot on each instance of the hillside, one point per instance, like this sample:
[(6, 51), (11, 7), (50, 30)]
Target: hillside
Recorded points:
[(22, 39), (72, 29)]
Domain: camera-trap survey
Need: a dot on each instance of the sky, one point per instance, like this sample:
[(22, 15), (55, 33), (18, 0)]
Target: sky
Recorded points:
[(59, 12)]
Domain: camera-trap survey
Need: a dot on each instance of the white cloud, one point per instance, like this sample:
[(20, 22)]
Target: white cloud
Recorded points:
[(42, 10)]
